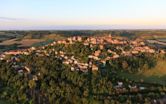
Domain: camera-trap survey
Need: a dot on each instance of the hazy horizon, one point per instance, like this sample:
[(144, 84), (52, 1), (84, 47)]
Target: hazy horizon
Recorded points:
[(85, 14), (83, 27)]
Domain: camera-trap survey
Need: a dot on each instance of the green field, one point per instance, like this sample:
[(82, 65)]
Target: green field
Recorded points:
[(147, 79), (156, 75)]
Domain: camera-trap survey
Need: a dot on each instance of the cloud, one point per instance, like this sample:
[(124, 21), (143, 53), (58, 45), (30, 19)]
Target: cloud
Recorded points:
[(10, 19)]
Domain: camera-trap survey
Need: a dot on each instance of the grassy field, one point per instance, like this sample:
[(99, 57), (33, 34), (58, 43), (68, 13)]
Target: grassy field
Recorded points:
[(153, 34), (154, 79), (25, 41), (28, 40), (158, 70), (156, 75)]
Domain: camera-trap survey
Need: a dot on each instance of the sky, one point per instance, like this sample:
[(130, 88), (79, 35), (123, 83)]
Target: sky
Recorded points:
[(82, 14)]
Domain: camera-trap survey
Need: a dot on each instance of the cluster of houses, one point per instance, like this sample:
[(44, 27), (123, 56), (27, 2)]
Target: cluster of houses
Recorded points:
[(121, 88), (74, 63), (136, 47)]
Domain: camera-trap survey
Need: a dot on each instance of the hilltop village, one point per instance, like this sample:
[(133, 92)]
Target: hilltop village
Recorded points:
[(101, 55), (61, 61)]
